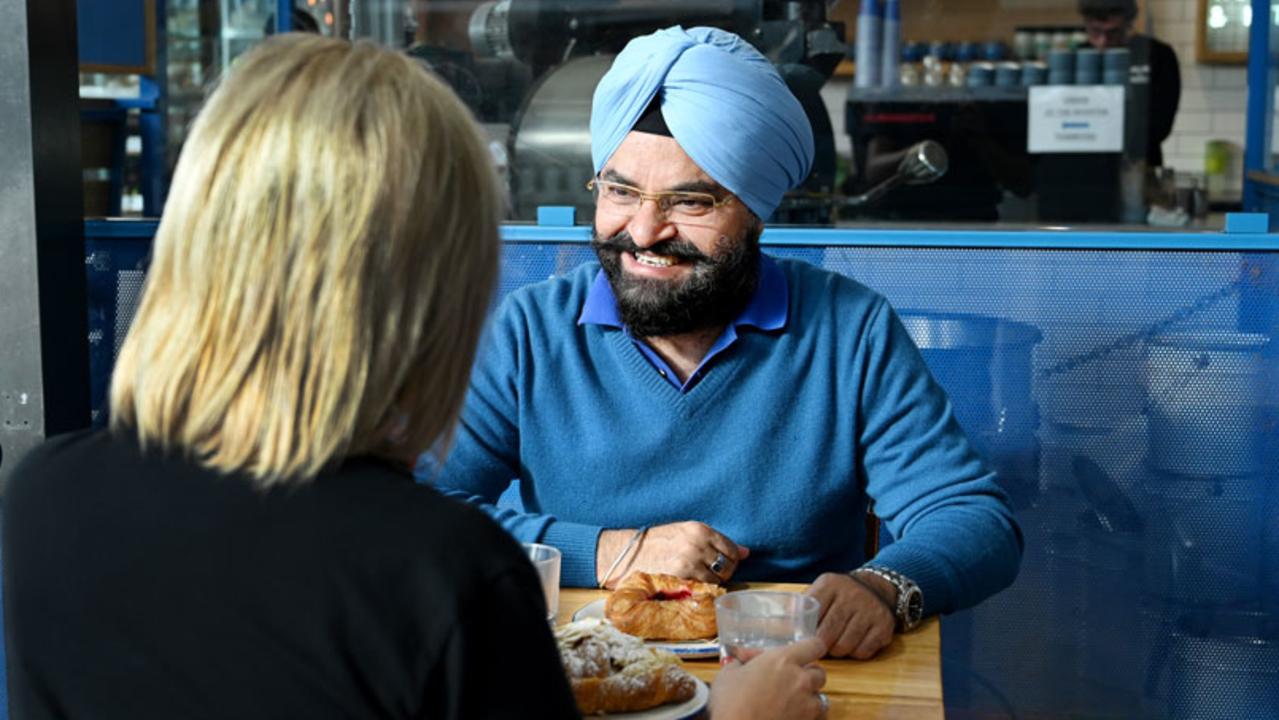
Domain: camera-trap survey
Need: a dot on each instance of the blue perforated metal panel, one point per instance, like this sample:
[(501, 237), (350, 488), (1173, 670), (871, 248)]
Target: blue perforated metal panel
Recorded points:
[(115, 269), (1130, 401)]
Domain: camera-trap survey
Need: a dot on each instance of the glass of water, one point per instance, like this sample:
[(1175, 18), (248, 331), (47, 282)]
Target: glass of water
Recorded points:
[(547, 561), (752, 621)]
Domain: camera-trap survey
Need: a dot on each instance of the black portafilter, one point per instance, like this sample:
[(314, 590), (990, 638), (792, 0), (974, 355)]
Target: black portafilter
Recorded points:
[(921, 163)]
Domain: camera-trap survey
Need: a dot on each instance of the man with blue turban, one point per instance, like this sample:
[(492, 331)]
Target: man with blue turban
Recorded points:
[(691, 406)]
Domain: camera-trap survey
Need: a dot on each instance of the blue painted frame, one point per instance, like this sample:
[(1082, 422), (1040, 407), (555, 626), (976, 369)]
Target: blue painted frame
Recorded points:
[(152, 106), (110, 229), (1041, 239), (1260, 103), (124, 48), (283, 16)]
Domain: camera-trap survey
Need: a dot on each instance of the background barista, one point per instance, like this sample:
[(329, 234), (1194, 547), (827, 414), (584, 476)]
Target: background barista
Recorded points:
[(1108, 24)]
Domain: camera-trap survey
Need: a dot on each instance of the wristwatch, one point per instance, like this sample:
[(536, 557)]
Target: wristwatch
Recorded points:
[(910, 599)]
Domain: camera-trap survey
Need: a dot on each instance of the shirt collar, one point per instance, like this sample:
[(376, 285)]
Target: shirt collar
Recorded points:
[(767, 309)]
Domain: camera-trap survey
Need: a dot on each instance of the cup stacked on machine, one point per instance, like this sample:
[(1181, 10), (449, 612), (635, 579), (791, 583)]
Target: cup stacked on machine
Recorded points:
[(980, 74), (870, 24), (1063, 59), (1087, 66), (1114, 66), (1034, 73), (1061, 67), (1008, 74)]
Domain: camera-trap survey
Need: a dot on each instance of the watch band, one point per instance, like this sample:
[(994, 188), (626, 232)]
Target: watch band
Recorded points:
[(909, 606)]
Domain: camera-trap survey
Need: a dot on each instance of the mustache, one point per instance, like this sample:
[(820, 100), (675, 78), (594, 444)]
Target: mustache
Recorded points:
[(675, 247)]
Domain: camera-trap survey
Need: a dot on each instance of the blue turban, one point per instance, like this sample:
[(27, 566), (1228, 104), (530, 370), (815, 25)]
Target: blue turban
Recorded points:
[(724, 103)]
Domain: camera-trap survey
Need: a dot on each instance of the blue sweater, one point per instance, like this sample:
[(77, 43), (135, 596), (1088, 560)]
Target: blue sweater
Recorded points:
[(778, 446)]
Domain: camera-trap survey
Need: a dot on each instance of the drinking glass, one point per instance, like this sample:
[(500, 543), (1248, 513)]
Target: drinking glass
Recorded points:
[(547, 561), (752, 621)]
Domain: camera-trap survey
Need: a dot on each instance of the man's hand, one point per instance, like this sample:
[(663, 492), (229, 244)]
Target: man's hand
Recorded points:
[(783, 682), (855, 617), (685, 549)]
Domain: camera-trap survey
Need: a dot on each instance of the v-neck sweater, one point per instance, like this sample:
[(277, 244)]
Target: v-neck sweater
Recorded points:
[(765, 310), (780, 446)]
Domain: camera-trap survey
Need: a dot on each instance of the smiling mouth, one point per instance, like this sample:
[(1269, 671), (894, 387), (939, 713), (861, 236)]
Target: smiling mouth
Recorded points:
[(644, 257)]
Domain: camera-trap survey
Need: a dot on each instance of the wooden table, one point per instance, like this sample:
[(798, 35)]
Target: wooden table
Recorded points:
[(902, 681)]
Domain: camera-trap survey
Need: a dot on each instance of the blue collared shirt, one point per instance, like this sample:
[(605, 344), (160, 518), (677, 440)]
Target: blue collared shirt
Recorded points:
[(765, 311)]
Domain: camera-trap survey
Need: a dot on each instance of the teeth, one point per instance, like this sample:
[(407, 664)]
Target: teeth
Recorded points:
[(652, 260)]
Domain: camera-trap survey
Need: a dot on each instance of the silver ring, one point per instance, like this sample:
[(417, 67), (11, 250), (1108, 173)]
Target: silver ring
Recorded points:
[(825, 701), (717, 567)]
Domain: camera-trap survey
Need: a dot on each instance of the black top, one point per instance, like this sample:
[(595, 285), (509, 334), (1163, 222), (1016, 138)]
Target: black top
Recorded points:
[(1165, 96), (139, 586)]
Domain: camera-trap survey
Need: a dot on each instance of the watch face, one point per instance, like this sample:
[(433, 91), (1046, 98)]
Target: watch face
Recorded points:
[(914, 605)]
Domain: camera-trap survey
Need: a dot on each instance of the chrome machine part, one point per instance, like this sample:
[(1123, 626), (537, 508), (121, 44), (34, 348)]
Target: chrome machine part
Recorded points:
[(921, 163), (924, 162), (543, 34), (490, 30), (568, 45), (551, 146)]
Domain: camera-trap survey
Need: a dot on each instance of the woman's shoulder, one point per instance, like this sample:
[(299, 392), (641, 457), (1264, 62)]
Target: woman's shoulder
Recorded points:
[(421, 520), (64, 458)]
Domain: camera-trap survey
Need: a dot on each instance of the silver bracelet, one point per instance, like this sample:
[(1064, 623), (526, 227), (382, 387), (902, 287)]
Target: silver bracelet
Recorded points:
[(629, 544), (909, 606)]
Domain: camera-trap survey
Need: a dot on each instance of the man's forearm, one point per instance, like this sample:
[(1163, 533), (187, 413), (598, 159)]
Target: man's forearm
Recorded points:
[(610, 545)]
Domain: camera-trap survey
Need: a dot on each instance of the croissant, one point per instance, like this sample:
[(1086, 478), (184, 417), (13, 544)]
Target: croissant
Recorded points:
[(663, 607), (611, 672)]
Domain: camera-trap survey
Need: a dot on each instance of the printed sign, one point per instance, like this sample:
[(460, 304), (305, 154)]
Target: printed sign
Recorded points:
[(1076, 119)]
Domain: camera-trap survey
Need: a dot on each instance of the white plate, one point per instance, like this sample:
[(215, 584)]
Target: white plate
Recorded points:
[(687, 649), (683, 711)]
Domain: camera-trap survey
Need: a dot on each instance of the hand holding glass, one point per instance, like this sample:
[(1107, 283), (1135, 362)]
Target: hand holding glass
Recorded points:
[(752, 621), (547, 561)]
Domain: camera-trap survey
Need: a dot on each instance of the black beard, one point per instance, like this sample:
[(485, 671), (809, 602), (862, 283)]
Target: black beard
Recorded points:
[(714, 293)]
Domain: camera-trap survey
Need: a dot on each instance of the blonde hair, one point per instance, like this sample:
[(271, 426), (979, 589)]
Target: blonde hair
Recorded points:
[(322, 270)]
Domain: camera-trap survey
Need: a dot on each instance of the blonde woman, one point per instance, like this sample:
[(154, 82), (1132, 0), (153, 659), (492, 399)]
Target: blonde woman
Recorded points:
[(247, 540)]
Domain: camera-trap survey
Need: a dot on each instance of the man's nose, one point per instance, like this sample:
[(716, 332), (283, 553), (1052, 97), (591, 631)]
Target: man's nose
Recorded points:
[(649, 225)]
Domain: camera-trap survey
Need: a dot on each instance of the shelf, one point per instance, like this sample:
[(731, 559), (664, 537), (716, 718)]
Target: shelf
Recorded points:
[(941, 94), (1263, 177)]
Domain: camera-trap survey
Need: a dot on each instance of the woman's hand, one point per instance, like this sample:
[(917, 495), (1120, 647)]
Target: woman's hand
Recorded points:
[(784, 682)]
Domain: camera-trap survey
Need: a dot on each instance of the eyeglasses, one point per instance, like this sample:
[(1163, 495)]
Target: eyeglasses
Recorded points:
[(1114, 33), (677, 206)]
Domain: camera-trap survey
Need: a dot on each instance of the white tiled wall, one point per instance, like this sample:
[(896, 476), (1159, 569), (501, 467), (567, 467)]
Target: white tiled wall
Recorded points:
[(1213, 97)]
